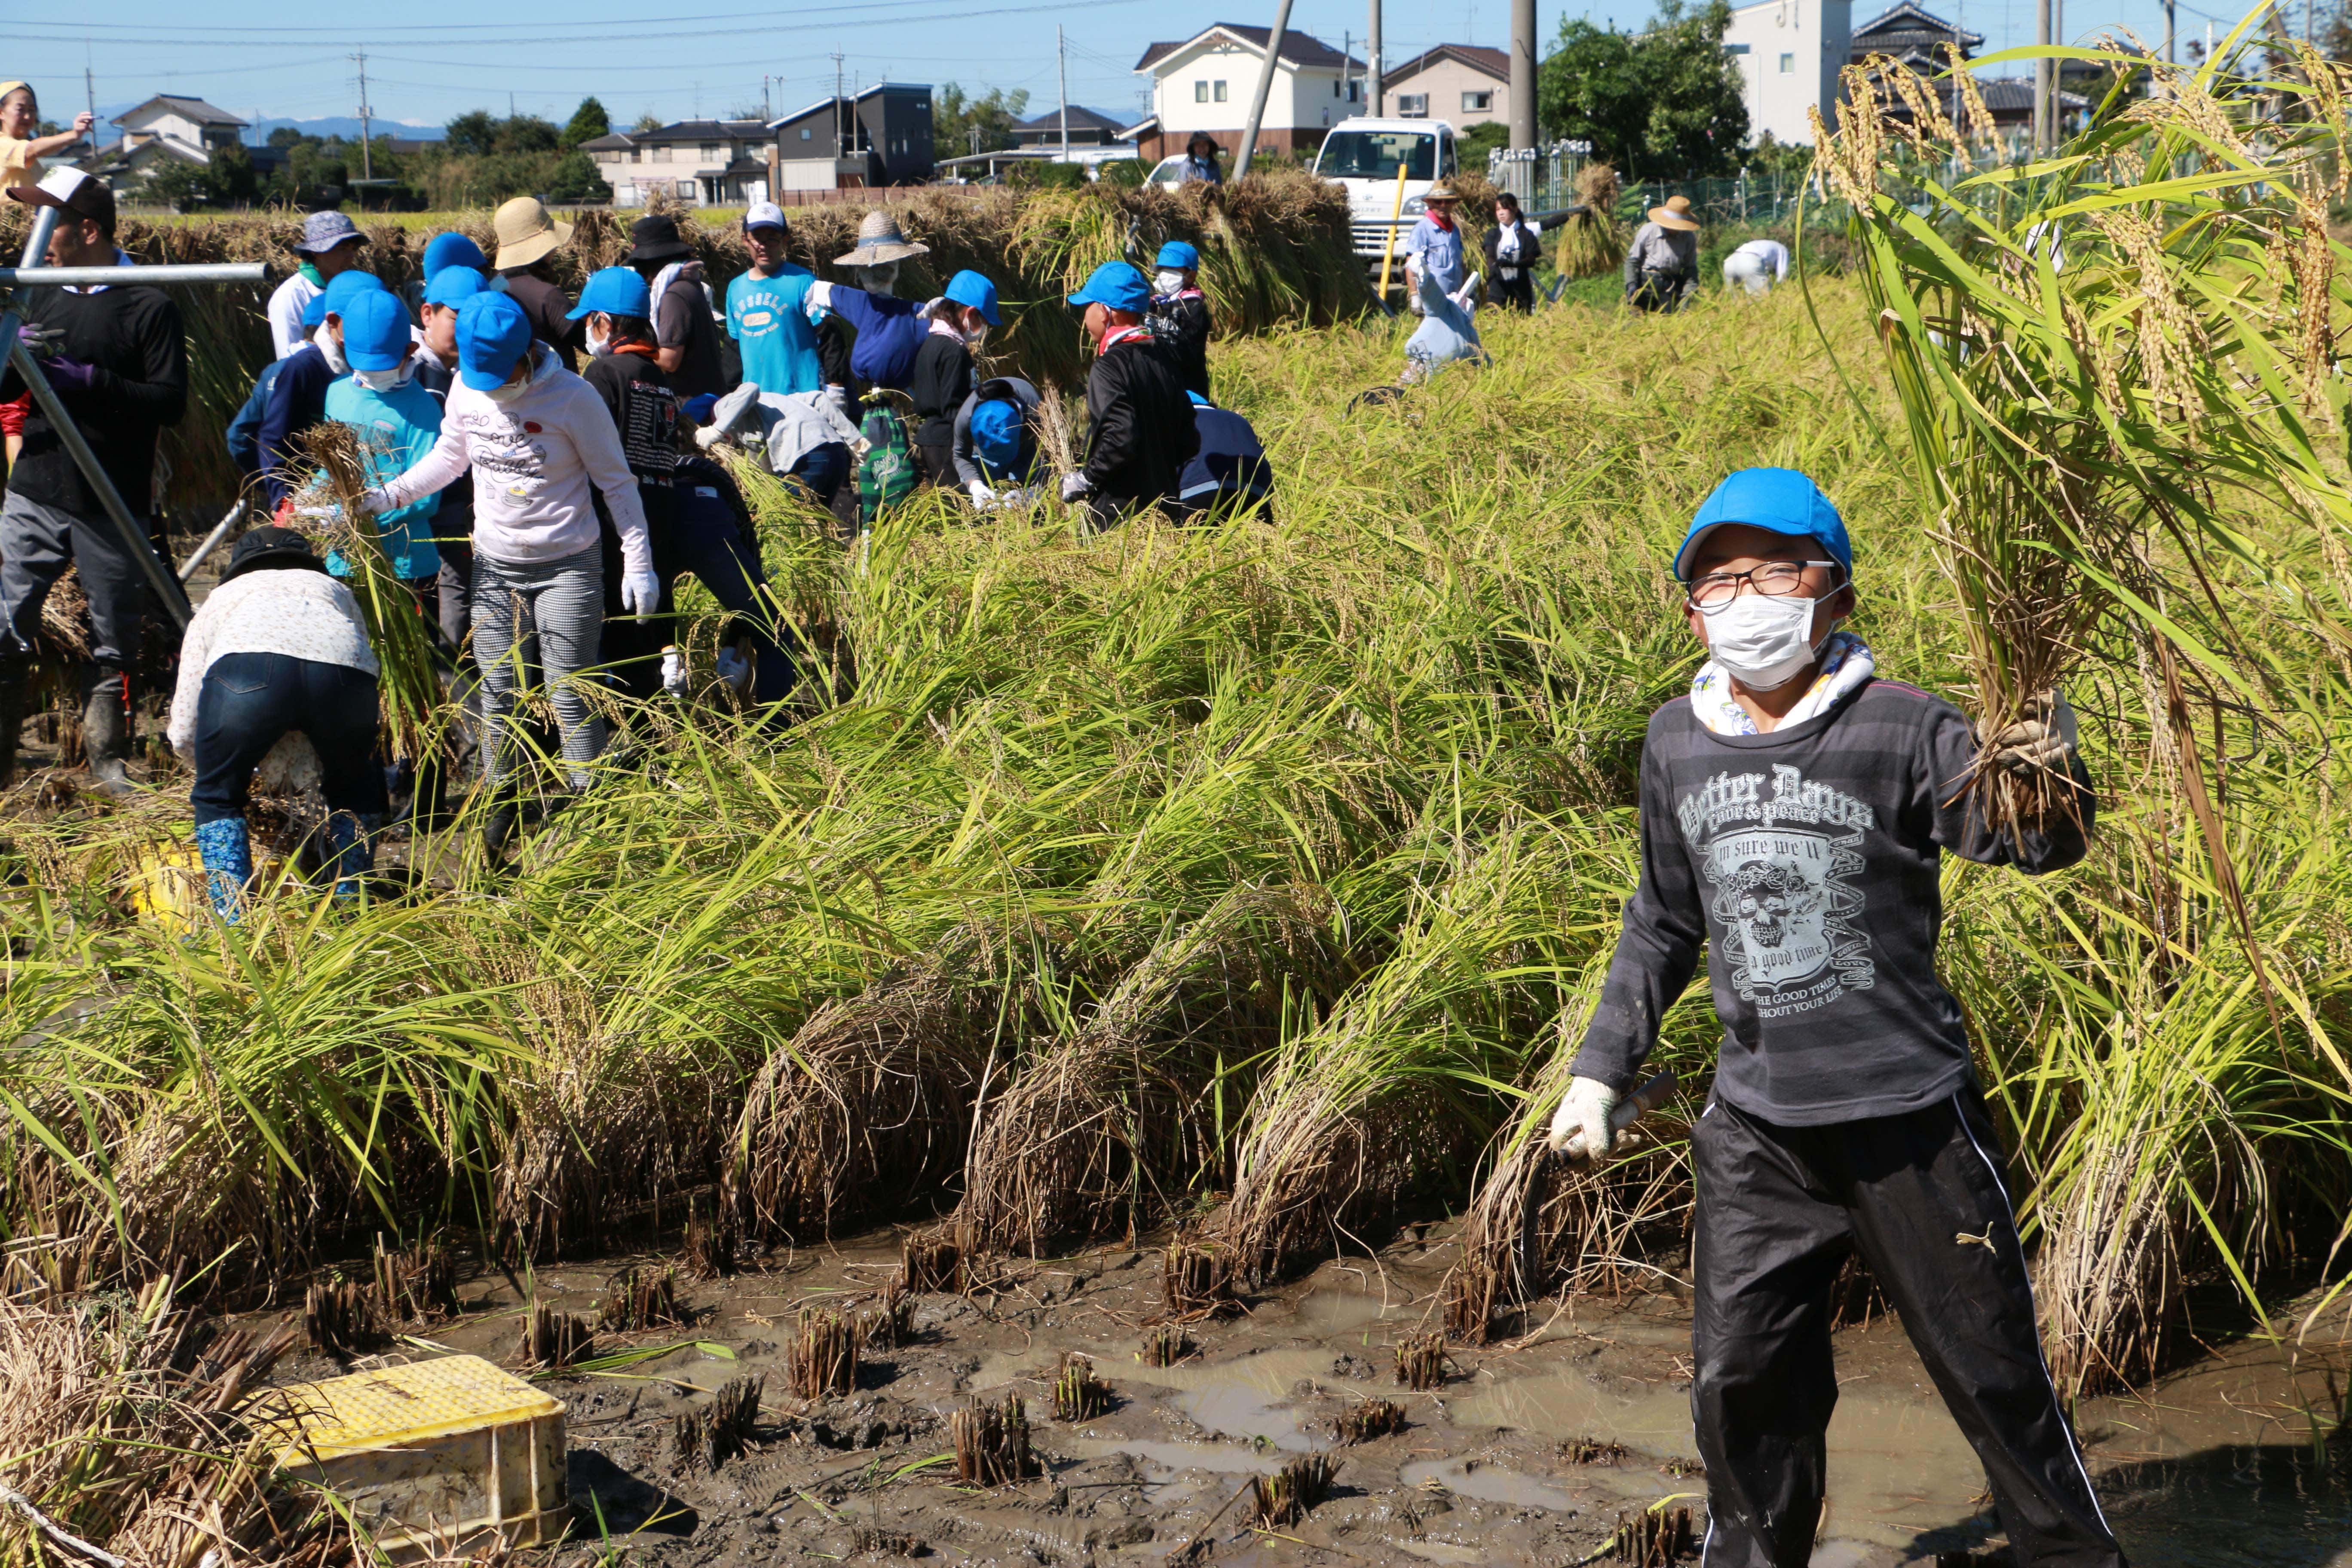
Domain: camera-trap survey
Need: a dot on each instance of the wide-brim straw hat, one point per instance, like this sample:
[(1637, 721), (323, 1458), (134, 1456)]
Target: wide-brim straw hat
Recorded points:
[(525, 233), (1441, 192), (1675, 213), (879, 239)]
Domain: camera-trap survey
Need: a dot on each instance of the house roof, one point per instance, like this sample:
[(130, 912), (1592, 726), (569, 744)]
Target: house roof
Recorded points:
[(2013, 94), (1135, 132), (194, 109), (701, 131), (610, 141), (1300, 49), (826, 104), (1081, 119), (1477, 56), (1910, 26)]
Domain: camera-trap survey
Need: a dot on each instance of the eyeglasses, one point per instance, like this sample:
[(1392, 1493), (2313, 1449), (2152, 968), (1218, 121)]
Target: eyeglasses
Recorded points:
[(1781, 579)]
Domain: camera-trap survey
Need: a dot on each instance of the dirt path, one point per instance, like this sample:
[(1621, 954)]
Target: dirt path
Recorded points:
[(2213, 1467)]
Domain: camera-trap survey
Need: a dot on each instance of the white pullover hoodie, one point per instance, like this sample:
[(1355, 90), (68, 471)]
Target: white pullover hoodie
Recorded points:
[(535, 452)]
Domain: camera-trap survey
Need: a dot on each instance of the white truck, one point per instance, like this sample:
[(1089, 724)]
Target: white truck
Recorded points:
[(1362, 156)]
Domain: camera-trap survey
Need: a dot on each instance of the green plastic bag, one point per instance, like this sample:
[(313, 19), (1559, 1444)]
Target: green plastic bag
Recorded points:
[(888, 473)]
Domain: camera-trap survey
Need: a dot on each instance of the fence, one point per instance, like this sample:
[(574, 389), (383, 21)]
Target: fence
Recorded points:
[(1543, 178), (1772, 199)]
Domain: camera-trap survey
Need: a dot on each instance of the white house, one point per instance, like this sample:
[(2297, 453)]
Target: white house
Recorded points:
[(1208, 82), (1789, 53), (1467, 84), (190, 126)]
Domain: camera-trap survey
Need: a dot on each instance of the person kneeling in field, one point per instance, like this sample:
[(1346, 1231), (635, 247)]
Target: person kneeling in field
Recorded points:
[(1795, 812), (1139, 431), (995, 442), (279, 647), (1229, 474)]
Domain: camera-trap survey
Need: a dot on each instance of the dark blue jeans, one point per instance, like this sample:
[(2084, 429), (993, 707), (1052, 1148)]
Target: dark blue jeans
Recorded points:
[(822, 468), (708, 543), (251, 702)]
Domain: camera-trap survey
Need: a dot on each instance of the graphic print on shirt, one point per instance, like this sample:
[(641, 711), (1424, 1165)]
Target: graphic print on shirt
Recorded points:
[(502, 445), (1782, 864)]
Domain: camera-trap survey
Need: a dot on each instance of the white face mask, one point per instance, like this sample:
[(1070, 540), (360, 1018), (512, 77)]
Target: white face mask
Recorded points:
[(598, 343), (1764, 640), (507, 391), (973, 340), (1167, 282), (385, 380), (879, 279)]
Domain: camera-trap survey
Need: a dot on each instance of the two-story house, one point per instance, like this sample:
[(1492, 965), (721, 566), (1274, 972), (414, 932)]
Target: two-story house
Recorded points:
[(1207, 83), (164, 129), (881, 136), (1467, 84), (703, 162)]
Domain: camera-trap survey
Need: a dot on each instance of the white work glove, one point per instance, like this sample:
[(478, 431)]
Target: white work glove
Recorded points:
[(982, 497), (640, 592), (735, 670), (1074, 485), (1581, 1125), (672, 678), (2046, 738), (1011, 500)]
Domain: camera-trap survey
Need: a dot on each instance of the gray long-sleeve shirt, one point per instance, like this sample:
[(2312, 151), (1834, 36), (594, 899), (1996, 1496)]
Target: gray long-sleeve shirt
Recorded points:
[(967, 463), (1808, 861), (1657, 248)]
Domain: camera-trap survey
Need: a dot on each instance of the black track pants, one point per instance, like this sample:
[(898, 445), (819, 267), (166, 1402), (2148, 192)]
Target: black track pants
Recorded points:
[(1779, 1209)]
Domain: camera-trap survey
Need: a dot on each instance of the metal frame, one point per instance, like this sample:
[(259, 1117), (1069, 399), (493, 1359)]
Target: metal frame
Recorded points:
[(160, 576)]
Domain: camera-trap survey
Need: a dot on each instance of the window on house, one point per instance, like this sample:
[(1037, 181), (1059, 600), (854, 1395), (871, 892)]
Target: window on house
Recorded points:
[(1788, 65), (1355, 92), (1477, 103), (686, 190), (807, 134), (661, 154), (1217, 90), (1200, 92), (711, 151), (1413, 105)]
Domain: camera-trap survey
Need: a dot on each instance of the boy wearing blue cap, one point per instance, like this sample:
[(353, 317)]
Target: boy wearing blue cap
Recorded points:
[(624, 368), (1229, 474), (1179, 312), (768, 309), (396, 421), (1795, 812), (959, 324), (1139, 431), (297, 398), (995, 440)]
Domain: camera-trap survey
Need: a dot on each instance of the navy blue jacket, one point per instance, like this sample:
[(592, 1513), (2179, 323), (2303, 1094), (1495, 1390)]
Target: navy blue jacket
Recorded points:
[(296, 402), (243, 433), (1230, 464)]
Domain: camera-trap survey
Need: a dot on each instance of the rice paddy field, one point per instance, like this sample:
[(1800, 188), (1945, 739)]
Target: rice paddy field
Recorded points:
[(1122, 932)]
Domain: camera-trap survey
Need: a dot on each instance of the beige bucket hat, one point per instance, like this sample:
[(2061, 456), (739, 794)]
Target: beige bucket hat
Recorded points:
[(1675, 213), (879, 239), (525, 233)]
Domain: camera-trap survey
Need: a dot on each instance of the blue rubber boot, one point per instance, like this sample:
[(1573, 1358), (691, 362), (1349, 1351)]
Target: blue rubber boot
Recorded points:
[(350, 851), (229, 863)]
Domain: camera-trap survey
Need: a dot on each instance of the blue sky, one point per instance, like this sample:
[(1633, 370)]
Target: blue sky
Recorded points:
[(430, 59)]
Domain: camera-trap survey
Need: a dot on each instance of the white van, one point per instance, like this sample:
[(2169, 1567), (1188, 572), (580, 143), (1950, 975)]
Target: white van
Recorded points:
[(1362, 156)]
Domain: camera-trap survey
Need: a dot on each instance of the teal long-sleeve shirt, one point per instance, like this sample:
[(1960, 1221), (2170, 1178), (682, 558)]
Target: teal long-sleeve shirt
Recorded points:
[(396, 426)]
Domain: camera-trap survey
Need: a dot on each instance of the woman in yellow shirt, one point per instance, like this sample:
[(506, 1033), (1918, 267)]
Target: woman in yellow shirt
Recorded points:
[(21, 150)]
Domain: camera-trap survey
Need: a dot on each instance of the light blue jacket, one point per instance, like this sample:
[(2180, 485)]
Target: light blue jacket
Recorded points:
[(1439, 252), (395, 428)]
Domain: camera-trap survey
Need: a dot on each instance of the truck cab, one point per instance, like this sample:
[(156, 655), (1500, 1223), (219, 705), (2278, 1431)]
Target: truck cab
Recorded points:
[(1363, 157)]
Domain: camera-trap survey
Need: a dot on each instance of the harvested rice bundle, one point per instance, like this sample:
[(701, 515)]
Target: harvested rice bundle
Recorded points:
[(1591, 241)]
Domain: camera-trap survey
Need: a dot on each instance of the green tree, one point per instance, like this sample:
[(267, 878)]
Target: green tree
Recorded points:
[(1479, 140), (1661, 105), (962, 124), (588, 121), (646, 122), (574, 179)]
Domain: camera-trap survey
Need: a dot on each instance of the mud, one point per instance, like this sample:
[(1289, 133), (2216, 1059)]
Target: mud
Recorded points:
[(2214, 1465)]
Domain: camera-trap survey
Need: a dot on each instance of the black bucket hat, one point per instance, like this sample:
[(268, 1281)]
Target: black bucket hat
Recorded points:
[(655, 239), (271, 546)]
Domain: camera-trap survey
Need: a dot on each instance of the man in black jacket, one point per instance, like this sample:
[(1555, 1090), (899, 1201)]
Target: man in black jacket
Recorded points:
[(1140, 430), (117, 356)]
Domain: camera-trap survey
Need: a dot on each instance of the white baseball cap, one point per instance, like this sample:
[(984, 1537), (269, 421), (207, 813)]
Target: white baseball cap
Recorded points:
[(764, 215)]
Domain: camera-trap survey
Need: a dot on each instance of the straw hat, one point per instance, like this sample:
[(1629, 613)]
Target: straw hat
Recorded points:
[(525, 233), (1441, 192), (880, 240), (1675, 213)]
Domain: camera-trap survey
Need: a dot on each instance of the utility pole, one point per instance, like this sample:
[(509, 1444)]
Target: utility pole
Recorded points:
[(2169, 57), (2043, 75), (367, 163), (1372, 83), (1265, 85), (1061, 58), (1523, 73), (837, 151)]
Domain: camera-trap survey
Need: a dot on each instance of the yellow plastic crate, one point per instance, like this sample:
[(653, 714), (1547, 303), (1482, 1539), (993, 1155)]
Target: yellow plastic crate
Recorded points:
[(436, 1455)]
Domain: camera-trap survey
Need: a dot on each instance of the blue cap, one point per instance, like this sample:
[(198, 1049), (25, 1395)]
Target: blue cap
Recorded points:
[(613, 292), (339, 292), (699, 408), (375, 330), (969, 287), (452, 249), (315, 312), (996, 436), (492, 334), (1198, 401), (1117, 285), (1178, 254), (1780, 501), (452, 286)]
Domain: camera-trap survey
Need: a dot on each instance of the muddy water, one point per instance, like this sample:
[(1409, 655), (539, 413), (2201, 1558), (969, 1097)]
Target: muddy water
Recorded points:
[(2214, 1467)]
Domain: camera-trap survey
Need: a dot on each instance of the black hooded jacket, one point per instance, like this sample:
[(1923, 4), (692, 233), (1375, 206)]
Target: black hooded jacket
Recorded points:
[(1139, 422)]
